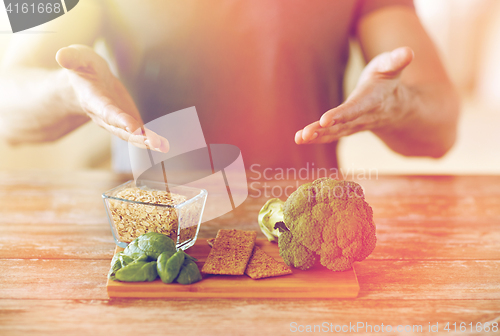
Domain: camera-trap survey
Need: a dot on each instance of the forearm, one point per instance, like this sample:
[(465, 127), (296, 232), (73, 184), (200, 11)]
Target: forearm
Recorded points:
[(428, 127), (37, 105)]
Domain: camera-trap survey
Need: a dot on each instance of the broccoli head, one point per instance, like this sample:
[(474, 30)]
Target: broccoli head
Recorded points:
[(294, 253), (328, 218)]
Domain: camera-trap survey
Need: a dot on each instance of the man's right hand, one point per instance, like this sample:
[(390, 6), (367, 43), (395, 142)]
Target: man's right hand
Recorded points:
[(104, 98)]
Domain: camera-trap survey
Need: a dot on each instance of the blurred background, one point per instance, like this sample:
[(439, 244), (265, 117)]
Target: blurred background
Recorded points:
[(467, 35)]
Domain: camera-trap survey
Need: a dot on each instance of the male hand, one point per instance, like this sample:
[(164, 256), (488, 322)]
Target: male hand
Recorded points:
[(375, 103), (104, 98)]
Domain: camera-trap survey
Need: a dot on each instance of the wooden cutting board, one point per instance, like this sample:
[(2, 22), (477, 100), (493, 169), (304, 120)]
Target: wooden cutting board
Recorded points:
[(315, 283)]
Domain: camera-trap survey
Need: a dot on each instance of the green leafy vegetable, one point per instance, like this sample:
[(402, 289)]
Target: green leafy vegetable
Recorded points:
[(137, 271), (150, 255), (188, 257), (125, 260), (154, 244), (169, 265), (132, 250), (189, 273), (115, 265)]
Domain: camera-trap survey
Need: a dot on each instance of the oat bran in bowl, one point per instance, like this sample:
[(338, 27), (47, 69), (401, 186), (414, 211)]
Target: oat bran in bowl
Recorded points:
[(148, 206)]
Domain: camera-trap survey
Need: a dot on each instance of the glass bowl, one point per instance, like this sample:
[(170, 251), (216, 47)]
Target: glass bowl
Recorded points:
[(173, 210)]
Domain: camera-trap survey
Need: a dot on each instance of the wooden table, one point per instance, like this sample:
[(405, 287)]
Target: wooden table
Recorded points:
[(437, 260)]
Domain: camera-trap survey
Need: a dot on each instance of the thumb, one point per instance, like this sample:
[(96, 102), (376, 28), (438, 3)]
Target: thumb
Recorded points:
[(78, 58), (389, 64)]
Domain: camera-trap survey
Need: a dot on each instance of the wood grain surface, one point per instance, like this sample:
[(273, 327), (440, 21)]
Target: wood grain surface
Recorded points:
[(437, 260)]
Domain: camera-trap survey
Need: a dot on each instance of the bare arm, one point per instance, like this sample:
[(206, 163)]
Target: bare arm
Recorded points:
[(37, 105), (428, 96), (37, 102), (403, 96)]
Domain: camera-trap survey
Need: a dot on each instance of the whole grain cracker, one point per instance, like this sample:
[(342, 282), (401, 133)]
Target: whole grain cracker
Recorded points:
[(261, 265), (230, 252), (210, 242)]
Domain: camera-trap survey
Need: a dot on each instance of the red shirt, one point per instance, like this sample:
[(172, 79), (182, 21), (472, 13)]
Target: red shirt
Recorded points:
[(256, 70)]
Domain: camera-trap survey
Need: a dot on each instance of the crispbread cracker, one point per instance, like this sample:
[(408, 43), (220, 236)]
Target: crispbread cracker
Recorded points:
[(230, 252), (262, 265)]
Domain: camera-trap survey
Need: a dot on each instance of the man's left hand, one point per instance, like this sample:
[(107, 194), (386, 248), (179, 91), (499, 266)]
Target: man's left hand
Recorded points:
[(375, 103)]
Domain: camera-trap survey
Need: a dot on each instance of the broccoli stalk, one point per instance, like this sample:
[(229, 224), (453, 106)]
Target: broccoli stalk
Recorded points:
[(271, 213), (329, 219)]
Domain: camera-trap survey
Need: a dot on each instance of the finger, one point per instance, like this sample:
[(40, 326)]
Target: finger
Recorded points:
[(334, 133), (400, 58), (137, 139), (390, 64), (68, 58), (298, 137), (103, 108), (150, 139), (346, 112), (78, 58), (306, 134), (300, 141), (99, 104), (165, 145), (112, 118), (323, 135), (310, 132), (156, 142), (330, 134), (73, 58), (350, 110)]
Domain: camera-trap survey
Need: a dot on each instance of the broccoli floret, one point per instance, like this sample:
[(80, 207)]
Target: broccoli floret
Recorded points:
[(295, 254), (329, 218)]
